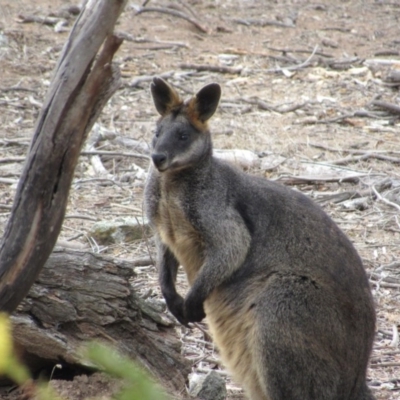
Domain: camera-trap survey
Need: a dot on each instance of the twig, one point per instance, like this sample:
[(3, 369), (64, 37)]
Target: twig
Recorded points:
[(113, 154), (9, 181), (130, 38), (17, 89), (261, 22), (238, 70), (388, 364), (393, 108), (337, 28), (341, 64), (11, 160), (185, 4), (141, 262), (129, 208), (282, 109), (174, 13), (337, 198), (363, 157), (212, 68), (284, 51), (387, 285), (387, 279), (80, 216), (381, 61), (15, 142), (351, 151), (155, 47), (147, 78), (388, 202), (295, 67), (298, 180), (386, 53), (359, 113), (38, 19)]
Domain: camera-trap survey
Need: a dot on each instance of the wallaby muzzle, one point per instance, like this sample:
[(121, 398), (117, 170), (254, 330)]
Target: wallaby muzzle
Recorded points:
[(159, 160)]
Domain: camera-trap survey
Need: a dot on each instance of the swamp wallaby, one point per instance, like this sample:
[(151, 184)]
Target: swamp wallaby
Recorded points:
[(285, 293)]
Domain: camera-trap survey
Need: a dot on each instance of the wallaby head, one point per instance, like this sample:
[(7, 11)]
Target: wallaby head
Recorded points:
[(182, 138)]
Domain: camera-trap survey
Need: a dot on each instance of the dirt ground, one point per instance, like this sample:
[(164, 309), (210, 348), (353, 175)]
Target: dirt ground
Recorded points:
[(311, 88)]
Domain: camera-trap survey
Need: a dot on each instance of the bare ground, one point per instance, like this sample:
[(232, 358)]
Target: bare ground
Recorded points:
[(303, 85)]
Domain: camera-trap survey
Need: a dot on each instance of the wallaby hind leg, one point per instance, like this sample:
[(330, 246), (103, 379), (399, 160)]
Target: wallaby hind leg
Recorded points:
[(304, 348)]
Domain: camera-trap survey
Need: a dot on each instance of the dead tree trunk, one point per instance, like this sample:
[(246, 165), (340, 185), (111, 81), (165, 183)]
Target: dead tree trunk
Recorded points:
[(83, 296), (80, 88)]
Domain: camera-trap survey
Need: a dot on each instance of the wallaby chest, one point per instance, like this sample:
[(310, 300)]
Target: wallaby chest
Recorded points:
[(178, 233)]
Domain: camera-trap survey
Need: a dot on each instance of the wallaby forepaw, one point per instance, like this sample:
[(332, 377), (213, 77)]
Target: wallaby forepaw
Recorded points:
[(176, 307), (194, 310)]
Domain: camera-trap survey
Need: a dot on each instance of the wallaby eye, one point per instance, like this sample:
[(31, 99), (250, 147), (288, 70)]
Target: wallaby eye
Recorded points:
[(183, 136), (157, 133)]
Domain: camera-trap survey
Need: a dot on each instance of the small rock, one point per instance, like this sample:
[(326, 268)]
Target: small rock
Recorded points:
[(207, 387), (361, 203), (330, 43), (123, 230)]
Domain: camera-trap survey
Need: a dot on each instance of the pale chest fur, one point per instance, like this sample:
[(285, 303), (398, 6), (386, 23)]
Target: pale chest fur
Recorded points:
[(177, 232)]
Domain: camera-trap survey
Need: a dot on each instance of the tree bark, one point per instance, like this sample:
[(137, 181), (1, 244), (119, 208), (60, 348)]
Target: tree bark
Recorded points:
[(82, 296), (80, 87)]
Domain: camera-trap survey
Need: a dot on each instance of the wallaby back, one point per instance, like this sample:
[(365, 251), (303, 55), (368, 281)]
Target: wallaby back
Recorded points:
[(285, 294)]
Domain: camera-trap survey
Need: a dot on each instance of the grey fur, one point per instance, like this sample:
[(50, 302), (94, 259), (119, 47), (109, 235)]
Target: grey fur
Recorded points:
[(285, 292)]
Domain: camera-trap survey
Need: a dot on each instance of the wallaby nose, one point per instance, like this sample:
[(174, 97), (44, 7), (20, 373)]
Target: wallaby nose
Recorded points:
[(158, 159)]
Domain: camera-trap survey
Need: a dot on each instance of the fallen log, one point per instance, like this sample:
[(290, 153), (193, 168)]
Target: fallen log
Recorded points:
[(81, 296)]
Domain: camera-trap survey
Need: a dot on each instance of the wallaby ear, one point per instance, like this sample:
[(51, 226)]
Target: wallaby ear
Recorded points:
[(165, 96), (206, 101)]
